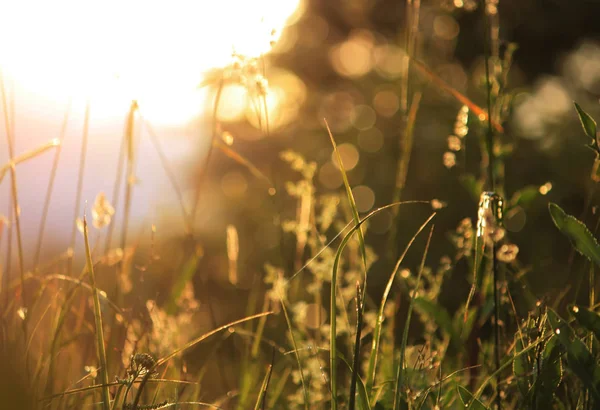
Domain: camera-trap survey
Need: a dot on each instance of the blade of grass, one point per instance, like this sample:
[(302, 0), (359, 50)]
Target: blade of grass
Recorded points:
[(116, 190), (14, 196), (98, 320), (204, 166), (164, 161), (400, 372), (351, 200), (185, 347), (237, 157), (80, 173), (260, 401), (296, 354), (129, 175), (377, 330), (356, 362), (28, 155), (457, 95), (333, 308), (50, 188)]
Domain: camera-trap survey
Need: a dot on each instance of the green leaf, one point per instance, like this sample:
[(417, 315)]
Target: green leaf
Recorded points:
[(469, 401), (580, 236), (579, 358), (525, 196), (589, 126), (590, 320)]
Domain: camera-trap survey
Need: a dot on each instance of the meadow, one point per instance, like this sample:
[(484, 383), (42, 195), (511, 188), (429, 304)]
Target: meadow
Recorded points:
[(342, 264)]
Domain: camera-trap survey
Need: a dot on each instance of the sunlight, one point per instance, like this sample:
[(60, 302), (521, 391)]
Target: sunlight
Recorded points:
[(115, 51)]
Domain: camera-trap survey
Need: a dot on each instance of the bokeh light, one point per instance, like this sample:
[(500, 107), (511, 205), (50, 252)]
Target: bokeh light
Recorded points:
[(349, 155), (353, 57), (364, 197)]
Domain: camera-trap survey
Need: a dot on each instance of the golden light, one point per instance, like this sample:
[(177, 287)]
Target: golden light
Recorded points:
[(114, 51)]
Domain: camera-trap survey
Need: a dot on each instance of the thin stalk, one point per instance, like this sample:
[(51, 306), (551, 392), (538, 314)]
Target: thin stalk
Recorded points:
[(400, 371), (98, 320), (379, 321), (49, 190), (15, 195), (130, 175), (356, 363), (80, 174), (492, 185), (169, 172), (9, 239), (213, 139), (295, 345), (116, 191), (407, 112)]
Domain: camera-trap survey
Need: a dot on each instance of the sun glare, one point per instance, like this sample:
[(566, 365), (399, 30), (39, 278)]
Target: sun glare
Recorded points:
[(114, 51)]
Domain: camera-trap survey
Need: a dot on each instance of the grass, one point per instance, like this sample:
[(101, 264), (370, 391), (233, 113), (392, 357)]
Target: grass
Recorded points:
[(324, 326)]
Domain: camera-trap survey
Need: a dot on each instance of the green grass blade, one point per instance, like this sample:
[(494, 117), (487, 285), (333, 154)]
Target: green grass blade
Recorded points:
[(351, 200), (580, 236), (506, 364), (333, 308), (400, 372), (98, 320), (579, 358), (589, 126), (356, 362), (260, 401), (377, 331)]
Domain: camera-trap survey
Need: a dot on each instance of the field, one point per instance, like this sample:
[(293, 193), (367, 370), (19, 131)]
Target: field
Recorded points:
[(361, 220)]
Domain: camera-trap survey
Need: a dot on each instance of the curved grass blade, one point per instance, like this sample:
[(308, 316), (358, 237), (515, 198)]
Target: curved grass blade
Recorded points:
[(98, 320), (188, 345), (580, 236), (377, 331), (207, 335), (400, 372), (333, 308)]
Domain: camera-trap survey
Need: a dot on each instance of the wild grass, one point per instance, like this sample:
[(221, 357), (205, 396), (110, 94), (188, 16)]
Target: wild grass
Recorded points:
[(317, 329)]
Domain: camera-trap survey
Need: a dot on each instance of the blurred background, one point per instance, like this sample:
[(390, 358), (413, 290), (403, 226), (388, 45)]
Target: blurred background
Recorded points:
[(338, 60)]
